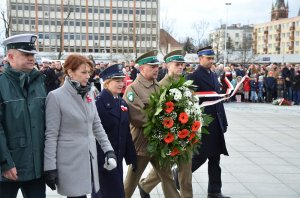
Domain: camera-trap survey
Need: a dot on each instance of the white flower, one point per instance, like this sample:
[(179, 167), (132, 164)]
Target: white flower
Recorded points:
[(196, 99), (188, 111), (187, 93), (177, 95), (190, 104), (174, 91)]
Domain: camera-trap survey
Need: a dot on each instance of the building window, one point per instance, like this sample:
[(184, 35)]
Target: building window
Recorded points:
[(237, 35), (297, 43)]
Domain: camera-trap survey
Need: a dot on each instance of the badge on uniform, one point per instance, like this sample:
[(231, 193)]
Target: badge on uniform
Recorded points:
[(130, 96)]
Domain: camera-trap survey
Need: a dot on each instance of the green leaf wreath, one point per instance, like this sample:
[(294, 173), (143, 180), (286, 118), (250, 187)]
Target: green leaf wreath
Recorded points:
[(175, 123)]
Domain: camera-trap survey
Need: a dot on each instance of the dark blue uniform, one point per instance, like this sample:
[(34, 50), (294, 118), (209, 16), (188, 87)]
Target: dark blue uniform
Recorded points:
[(116, 124), (213, 144)]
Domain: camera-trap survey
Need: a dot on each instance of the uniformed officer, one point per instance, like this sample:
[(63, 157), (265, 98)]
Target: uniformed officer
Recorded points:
[(137, 96), (22, 120), (213, 144), (114, 115), (175, 65)]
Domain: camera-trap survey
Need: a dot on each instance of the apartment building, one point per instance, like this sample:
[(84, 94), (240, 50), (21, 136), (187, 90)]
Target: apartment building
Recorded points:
[(279, 39), (88, 26)]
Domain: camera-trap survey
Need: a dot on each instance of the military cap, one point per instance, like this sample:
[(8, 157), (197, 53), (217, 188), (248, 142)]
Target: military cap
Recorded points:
[(206, 51), (149, 58), (114, 71), (175, 56), (22, 42)]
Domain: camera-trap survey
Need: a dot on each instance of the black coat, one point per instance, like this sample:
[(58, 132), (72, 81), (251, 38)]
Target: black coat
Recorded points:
[(115, 121), (214, 142)]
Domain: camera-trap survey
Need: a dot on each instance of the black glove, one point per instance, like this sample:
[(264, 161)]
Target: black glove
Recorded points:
[(110, 160), (51, 178)]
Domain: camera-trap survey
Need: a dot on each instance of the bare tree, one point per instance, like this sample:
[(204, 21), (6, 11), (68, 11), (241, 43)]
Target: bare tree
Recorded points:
[(165, 39), (6, 20), (200, 28), (67, 9), (214, 41), (245, 52)]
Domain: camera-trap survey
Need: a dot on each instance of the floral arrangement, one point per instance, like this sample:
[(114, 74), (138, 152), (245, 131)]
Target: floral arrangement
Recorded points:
[(175, 122), (282, 102)]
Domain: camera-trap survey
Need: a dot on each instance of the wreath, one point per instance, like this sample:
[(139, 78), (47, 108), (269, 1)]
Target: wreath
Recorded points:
[(175, 123)]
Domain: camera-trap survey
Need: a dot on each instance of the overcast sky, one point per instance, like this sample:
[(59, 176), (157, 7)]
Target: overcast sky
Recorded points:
[(184, 13)]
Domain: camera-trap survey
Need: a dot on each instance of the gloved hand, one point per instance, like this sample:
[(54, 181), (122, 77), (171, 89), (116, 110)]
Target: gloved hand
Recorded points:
[(110, 160), (51, 178)]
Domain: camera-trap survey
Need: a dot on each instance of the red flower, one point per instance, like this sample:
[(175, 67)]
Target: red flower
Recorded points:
[(183, 117), (123, 108), (195, 141), (183, 133), (170, 107), (196, 125), (174, 152), (168, 122), (88, 98), (192, 135), (169, 138)]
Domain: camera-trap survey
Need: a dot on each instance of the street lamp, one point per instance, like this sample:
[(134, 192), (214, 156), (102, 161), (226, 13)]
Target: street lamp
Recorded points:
[(225, 49)]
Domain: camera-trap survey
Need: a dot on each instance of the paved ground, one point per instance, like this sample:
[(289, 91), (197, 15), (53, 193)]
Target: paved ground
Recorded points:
[(263, 141)]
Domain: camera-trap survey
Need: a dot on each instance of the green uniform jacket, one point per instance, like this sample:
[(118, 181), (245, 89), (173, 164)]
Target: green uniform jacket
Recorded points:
[(22, 123)]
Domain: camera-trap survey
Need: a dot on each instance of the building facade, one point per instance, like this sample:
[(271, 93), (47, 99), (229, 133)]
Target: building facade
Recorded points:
[(238, 42), (88, 26), (279, 39)]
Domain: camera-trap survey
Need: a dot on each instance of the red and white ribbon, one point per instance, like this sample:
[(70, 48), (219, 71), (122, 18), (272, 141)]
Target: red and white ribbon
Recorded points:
[(223, 97)]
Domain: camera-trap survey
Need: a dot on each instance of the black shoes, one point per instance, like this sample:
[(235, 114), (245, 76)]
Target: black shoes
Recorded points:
[(216, 195), (143, 193), (175, 177)]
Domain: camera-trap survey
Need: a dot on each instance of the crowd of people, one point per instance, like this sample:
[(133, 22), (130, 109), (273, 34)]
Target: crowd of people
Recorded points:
[(78, 121)]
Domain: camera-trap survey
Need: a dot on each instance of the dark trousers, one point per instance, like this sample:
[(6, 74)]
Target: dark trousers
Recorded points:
[(30, 189), (214, 171)]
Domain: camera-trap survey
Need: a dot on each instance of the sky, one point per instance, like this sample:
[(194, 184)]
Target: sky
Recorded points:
[(184, 13)]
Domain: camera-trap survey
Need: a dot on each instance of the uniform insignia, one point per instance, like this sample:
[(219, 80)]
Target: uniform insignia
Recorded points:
[(130, 96)]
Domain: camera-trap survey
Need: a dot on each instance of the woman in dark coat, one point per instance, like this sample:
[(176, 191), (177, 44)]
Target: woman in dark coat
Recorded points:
[(113, 112)]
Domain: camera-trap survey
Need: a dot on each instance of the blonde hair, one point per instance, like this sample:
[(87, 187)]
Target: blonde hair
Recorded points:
[(106, 82)]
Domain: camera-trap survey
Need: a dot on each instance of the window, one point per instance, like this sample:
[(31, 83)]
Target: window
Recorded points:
[(101, 24), (237, 35), (297, 43), (26, 7), (107, 38), (71, 23)]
